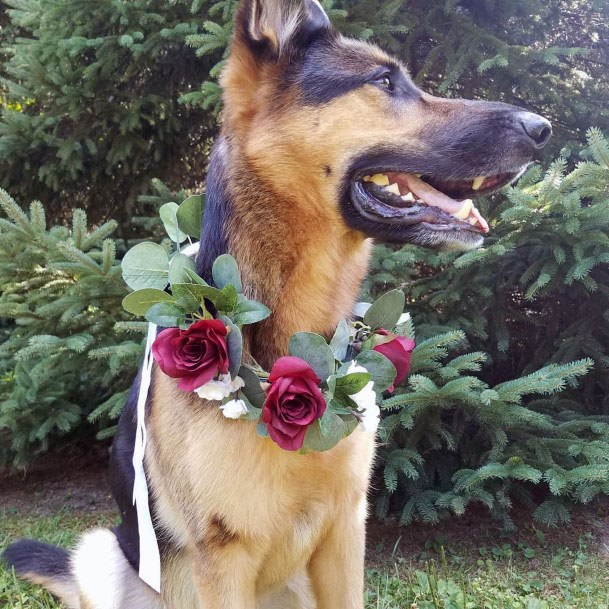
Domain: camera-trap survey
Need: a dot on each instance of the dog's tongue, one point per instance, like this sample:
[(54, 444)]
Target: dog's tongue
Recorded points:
[(430, 196)]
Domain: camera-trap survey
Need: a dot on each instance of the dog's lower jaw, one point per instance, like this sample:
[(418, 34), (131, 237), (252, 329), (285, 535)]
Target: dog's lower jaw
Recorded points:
[(251, 516)]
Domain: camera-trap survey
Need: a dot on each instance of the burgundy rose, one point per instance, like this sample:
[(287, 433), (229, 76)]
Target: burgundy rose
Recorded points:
[(195, 356), (397, 351), (293, 402)]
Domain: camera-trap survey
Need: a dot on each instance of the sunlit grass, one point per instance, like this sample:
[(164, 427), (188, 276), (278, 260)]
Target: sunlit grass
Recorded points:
[(503, 576)]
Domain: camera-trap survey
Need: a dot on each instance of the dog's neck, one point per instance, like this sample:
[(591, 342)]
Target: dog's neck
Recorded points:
[(297, 258)]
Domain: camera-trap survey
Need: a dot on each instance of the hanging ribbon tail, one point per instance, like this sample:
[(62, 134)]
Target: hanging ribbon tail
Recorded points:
[(150, 557)]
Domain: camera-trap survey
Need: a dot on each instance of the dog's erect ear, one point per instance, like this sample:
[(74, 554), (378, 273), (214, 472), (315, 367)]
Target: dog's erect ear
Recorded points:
[(274, 26)]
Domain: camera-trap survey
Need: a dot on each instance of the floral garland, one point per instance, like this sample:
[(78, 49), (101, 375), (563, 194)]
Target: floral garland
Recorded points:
[(311, 398)]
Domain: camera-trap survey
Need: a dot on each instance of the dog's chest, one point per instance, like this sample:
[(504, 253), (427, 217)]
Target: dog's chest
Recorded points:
[(217, 483)]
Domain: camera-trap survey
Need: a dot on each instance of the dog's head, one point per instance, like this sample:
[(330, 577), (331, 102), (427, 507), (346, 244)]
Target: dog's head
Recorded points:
[(337, 125)]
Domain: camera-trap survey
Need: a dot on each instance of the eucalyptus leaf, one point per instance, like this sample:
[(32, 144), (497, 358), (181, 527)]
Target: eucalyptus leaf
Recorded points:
[(314, 350), (382, 370), (168, 212), (322, 436), (165, 314), (190, 215), (146, 265), (350, 424), (140, 301), (194, 278), (340, 340), (250, 311), (262, 430), (177, 268), (386, 311), (252, 389), (226, 272), (234, 342)]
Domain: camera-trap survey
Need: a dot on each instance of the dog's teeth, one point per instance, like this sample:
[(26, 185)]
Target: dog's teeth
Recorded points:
[(366, 179), (472, 221), (465, 210), (477, 182), (409, 197), (380, 179), (393, 188)]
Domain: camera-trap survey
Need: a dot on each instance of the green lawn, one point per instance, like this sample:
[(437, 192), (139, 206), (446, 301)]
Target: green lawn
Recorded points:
[(442, 574)]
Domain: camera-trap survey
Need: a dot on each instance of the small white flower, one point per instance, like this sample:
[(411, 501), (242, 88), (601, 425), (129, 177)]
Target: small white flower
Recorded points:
[(234, 409), (220, 389), (366, 401)]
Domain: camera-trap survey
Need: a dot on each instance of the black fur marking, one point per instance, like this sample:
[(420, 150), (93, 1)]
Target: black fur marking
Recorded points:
[(332, 68), (122, 476), (469, 138), (29, 556), (215, 217), (327, 170), (314, 21)]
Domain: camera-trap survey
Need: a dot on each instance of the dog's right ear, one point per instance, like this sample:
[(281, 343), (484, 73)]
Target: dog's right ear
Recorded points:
[(272, 28)]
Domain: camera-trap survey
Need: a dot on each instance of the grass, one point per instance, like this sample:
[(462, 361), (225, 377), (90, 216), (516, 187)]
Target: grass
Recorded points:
[(532, 574)]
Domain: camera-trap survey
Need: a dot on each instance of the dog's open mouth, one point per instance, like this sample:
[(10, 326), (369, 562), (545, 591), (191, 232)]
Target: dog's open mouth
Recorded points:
[(408, 198)]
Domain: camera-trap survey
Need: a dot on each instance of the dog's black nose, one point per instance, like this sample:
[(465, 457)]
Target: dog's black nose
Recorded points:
[(536, 127)]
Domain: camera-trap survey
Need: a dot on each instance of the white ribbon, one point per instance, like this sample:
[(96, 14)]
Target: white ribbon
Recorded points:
[(150, 557)]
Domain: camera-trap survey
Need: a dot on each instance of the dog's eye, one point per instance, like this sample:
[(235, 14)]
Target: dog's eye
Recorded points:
[(384, 82)]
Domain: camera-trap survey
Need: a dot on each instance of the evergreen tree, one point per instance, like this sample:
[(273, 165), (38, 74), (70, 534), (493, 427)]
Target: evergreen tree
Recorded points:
[(98, 115), (71, 349)]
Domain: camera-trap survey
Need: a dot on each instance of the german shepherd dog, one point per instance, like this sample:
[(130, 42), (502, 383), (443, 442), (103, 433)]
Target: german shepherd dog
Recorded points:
[(311, 120)]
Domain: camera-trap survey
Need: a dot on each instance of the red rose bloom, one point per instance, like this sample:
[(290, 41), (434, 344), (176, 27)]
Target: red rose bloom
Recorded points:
[(397, 351), (195, 356), (293, 402)]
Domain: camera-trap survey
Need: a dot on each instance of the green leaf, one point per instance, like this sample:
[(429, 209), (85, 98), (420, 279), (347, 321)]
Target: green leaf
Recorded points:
[(253, 413), (190, 214), (234, 342), (252, 389), (324, 434), (165, 314), (250, 311), (314, 350), (146, 265), (191, 296), (140, 301), (194, 278), (385, 312), (382, 370), (228, 300), (177, 268), (352, 383), (226, 272), (340, 341), (261, 430), (170, 222)]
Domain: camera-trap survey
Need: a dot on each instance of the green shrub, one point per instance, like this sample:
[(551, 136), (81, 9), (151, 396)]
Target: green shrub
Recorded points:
[(536, 295)]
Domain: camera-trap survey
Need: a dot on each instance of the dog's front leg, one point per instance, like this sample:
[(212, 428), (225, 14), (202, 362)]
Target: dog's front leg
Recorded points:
[(224, 577), (336, 568)]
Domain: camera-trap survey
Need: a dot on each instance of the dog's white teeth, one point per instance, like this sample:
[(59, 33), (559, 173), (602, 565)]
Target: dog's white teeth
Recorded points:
[(366, 179), (380, 179), (472, 221), (477, 182), (393, 188), (408, 197), (465, 210)]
